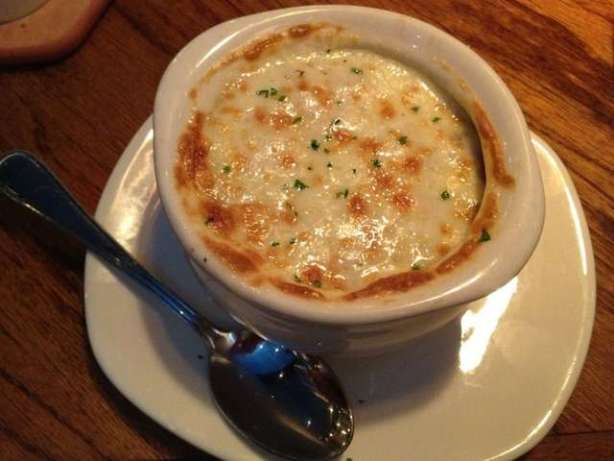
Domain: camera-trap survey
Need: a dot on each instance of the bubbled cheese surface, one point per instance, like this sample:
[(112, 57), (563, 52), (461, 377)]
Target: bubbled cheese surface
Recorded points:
[(331, 167)]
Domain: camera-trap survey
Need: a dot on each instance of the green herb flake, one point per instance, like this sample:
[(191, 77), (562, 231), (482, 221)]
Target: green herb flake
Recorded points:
[(328, 51), (377, 163), (445, 195), (315, 145), (301, 73), (266, 92), (300, 185), (484, 236), (337, 121), (329, 165), (328, 137), (435, 119), (416, 267), (415, 108), (282, 98), (344, 193), (297, 279), (275, 243), (403, 140), (338, 102), (356, 70), (326, 150), (296, 120), (354, 170), (317, 283), (227, 169), (292, 241)]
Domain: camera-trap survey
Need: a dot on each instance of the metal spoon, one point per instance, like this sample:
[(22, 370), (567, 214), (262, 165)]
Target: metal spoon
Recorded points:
[(286, 402)]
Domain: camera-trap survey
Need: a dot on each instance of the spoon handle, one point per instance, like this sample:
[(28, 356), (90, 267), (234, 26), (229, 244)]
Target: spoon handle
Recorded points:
[(29, 183)]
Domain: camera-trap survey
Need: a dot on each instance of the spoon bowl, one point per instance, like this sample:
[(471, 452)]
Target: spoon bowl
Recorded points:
[(286, 402), (292, 392)]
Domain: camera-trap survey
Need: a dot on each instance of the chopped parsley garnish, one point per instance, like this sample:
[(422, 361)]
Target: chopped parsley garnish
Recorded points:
[(267, 92), (297, 119), (484, 236), (356, 70), (297, 279), (292, 241), (445, 195), (403, 140), (337, 121), (328, 50), (338, 102), (315, 145), (344, 193), (317, 283), (354, 170), (300, 185), (377, 163), (416, 267), (301, 73), (328, 137), (329, 165), (415, 108), (435, 119), (282, 98), (227, 169), (275, 243)]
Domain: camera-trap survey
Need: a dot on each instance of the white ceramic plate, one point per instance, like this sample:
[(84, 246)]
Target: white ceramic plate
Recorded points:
[(488, 386)]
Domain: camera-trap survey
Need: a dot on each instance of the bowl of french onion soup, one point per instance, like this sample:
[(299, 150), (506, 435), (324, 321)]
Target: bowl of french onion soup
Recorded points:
[(344, 179)]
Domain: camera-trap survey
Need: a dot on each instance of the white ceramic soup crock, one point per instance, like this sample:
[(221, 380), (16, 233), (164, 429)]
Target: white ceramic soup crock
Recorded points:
[(369, 325)]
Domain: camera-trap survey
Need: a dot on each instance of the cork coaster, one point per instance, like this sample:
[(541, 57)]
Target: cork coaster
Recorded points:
[(49, 33)]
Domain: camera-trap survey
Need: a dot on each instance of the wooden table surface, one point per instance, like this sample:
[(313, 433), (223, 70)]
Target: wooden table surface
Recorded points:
[(79, 114)]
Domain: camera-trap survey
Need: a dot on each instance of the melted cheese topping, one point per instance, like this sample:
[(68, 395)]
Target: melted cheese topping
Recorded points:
[(324, 168)]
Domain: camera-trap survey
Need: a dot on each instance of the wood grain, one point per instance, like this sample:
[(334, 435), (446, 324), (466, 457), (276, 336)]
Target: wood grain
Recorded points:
[(78, 115)]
